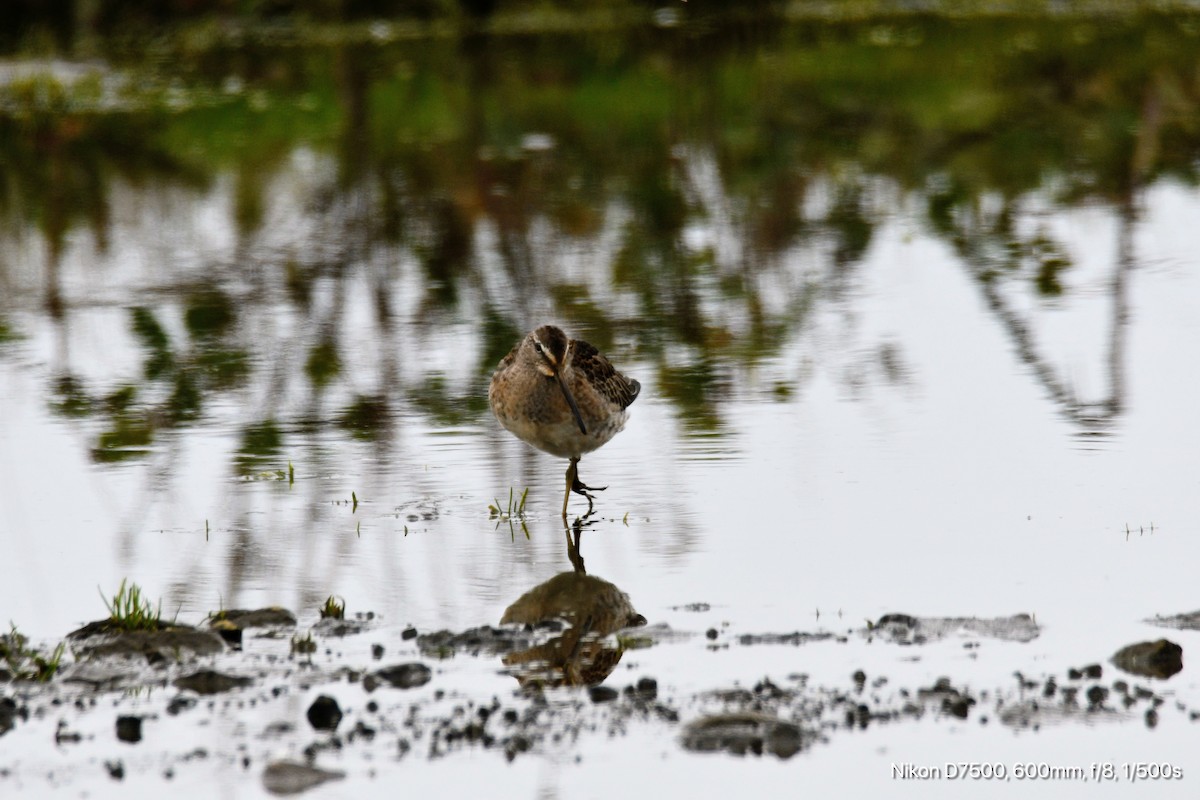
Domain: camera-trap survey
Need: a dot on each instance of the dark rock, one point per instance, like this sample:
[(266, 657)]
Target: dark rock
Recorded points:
[(289, 777), (747, 732), (1160, 659), (1093, 671), (1187, 622), (409, 633), (64, 735), (273, 617), (324, 714), (401, 676), (129, 729), (181, 702), (1151, 718), (116, 770), (794, 638), (1096, 695), (958, 707), (8, 714), (232, 636), (602, 694), (207, 681), (376, 651), (711, 633), (102, 639), (517, 744), (362, 731), (647, 688)]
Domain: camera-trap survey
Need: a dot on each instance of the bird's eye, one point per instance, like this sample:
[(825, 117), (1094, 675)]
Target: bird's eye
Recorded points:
[(537, 346)]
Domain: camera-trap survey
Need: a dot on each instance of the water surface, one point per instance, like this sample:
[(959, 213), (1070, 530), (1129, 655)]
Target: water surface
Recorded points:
[(911, 302)]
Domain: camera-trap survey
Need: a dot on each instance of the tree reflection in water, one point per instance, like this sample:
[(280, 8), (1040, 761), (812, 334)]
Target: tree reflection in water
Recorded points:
[(321, 239)]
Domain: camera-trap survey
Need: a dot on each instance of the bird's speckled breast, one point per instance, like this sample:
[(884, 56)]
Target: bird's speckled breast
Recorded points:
[(539, 415)]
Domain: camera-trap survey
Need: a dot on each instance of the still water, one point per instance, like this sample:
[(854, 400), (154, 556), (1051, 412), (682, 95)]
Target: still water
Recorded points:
[(912, 305)]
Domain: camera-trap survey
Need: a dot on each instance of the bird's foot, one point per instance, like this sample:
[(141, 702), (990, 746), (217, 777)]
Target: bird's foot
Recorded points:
[(579, 487)]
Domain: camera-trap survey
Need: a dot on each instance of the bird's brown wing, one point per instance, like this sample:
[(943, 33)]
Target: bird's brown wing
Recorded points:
[(600, 373), (508, 359)]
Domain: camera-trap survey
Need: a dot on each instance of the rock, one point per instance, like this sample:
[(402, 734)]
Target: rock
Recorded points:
[(409, 633), (8, 714), (1160, 659), (64, 735), (905, 629), (289, 777), (116, 770), (330, 626), (484, 640), (230, 633), (794, 638), (129, 729), (273, 617), (377, 651), (401, 676), (181, 702), (602, 694), (647, 688), (206, 681), (101, 639), (324, 714), (950, 700), (746, 732), (1184, 622)]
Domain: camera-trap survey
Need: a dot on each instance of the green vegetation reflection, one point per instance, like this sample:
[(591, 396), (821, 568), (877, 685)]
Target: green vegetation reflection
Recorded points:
[(464, 157)]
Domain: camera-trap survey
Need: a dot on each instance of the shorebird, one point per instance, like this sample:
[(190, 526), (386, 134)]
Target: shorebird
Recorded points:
[(563, 397)]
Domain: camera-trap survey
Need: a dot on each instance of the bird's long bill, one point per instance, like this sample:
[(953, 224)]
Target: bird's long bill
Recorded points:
[(571, 402)]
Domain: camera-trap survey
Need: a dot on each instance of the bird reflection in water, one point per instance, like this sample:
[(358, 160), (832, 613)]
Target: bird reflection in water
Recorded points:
[(584, 652)]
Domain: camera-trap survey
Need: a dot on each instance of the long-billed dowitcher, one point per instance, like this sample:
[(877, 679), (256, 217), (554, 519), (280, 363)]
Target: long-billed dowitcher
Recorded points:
[(563, 397)]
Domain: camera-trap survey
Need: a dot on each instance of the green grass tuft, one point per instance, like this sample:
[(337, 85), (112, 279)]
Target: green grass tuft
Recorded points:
[(333, 609), (514, 512), (25, 663), (130, 610), (304, 645)]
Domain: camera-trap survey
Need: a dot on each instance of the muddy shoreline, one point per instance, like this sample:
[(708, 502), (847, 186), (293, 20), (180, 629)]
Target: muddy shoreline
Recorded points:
[(407, 704)]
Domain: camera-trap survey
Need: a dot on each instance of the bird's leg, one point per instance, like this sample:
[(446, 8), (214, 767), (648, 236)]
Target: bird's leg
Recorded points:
[(572, 479), (579, 487)]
